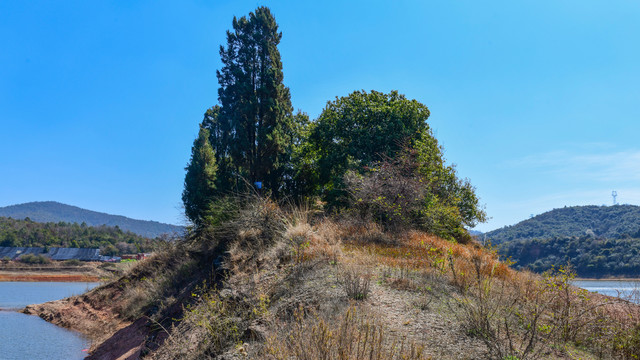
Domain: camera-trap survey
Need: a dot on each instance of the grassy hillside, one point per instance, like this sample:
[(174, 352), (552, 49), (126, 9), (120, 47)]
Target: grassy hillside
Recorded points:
[(610, 222), (110, 240), (51, 211), (292, 284)]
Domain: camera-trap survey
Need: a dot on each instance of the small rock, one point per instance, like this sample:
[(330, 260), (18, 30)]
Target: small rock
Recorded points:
[(256, 332)]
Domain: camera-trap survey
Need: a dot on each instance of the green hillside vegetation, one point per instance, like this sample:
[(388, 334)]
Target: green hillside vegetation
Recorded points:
[(110, 240), (588, 256), (608, 222), (51, 211), (597, 241)]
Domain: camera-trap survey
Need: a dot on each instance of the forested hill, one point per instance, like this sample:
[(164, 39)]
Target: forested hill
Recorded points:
[(606, 222), (51, 211), (110, 240)]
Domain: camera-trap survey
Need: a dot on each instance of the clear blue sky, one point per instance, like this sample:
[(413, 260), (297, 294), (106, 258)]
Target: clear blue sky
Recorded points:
[(537, 102)]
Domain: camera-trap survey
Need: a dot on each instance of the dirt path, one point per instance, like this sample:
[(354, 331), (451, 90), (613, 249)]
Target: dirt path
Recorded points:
[(433, 327)]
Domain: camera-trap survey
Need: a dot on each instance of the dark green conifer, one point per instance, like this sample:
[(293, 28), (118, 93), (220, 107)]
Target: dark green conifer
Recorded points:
[(199, 182), (255, 119)]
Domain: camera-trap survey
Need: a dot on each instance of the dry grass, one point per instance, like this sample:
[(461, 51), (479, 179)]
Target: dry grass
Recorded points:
[(299, 275), (355, 280), (354, 335), (249, 237), (209, 327), (516, 314)]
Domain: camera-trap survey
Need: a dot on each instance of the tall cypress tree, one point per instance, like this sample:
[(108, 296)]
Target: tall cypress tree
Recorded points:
[(255, 116), (199, 182)]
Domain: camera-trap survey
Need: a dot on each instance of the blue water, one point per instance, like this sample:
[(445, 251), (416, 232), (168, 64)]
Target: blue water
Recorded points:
[(626, 289), (29, 337)]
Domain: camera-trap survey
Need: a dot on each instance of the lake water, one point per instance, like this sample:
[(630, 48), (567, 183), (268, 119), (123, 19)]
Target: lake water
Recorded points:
[(29, 337), (628, 289)]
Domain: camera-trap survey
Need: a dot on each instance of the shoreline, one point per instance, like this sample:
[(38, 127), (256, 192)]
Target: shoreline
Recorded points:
[(55, 272), (607, 279), (13, 277)]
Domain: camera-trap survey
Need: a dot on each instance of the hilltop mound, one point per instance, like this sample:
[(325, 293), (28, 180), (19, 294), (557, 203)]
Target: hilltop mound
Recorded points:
[(51, 211), (282, 285), (610, 222)]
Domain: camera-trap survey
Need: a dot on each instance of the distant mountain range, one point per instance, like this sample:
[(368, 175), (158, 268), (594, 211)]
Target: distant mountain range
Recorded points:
[(610, 222), (51, 211)]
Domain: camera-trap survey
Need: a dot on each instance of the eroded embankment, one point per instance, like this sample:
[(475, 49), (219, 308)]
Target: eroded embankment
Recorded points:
[(96, 316), (92, 314), (130, 316)]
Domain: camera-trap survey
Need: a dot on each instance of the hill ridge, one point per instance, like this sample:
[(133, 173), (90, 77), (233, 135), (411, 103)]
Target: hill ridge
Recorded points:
[(611, 222), (53, 211)]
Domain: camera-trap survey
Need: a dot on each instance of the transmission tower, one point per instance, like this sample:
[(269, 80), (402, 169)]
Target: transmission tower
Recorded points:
[(614, 194)]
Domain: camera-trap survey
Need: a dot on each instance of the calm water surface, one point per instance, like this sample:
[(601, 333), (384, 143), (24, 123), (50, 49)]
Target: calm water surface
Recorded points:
[(29, 337), (624, 288)]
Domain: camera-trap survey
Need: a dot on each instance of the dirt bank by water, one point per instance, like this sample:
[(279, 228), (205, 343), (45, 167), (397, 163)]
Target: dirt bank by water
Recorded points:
[(95, 316), (7, 276), (84, 272)]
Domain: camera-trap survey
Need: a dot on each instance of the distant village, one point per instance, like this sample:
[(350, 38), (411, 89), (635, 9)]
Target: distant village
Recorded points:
[(64, 254)]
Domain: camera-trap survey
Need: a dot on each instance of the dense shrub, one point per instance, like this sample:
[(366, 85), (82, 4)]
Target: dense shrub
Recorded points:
[(34, 259), (414, 190), (72, 262)]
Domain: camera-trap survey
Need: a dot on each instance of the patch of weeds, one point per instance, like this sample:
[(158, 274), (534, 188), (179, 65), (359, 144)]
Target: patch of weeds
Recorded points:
[(354, 335), (355, 282)]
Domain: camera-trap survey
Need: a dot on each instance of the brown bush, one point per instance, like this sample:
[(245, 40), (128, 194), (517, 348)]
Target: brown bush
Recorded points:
[(355, 280)]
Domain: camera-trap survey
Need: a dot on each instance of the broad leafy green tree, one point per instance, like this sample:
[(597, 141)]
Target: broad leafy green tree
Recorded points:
[(355, 131), (376, 149), (199, 182), (254, 124)]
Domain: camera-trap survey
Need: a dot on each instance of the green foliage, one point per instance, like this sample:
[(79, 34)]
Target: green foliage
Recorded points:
[(358, 130), (378, 148), (597, 240), (72, 262), (300, 176), (221, 210), (627, 342), (590, 257), (604, 222), (199, 182), (34, 259), (255, 137), (253, 128), (51, 211), (22, 233)]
